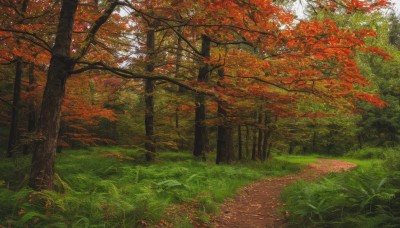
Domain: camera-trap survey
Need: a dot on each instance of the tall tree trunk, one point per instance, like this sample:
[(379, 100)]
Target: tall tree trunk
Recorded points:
[(260, 135), (229, 144), (247, 142), (254, 146), (225, 131), (222, 154), (221, 145), (266, 136), (240, 152), (150, 144), (31, 105), (291, 147), (269, 151), (314, 142), (178, 59), (200, 128), (42, 169), (12, 140), (13, 135)]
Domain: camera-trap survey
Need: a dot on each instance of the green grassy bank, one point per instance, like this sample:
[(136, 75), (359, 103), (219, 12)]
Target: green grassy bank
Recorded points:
[(115, 187)]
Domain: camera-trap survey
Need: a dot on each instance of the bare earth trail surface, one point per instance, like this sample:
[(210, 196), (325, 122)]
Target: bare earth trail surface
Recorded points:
[(256, 204)]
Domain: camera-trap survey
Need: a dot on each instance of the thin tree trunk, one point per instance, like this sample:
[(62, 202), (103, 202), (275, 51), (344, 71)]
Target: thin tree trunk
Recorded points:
[(291, 147), (225, 132), (269, 151), (247, 142), (254, 148), (200, 128), (314, 142), (179, 141), (240, 152), (177, 76), (31, 105), (13, 136), (260, 135), (229, 144), (42, 169), (267, 135), (221, 145), (150, 145), (222, 154)]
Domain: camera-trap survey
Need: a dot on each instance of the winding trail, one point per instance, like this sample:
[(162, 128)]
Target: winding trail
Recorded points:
[(255, 205)]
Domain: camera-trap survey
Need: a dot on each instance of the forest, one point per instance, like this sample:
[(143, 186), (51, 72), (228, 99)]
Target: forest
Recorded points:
[(207, 113)]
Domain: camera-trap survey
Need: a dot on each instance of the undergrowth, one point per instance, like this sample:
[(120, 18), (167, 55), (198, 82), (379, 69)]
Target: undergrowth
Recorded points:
[(366, 197), (115, 187)]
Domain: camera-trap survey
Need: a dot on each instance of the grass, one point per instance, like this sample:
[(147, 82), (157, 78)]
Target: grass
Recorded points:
[(302, 160), (115, 187), (368, 196)]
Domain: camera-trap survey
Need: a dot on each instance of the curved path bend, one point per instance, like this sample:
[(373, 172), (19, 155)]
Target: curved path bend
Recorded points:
[(255, 205)]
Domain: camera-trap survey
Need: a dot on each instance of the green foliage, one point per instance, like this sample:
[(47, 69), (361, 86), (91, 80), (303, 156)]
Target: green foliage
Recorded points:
[(115, 187), (369, 153), (366, 197), (392, 161)]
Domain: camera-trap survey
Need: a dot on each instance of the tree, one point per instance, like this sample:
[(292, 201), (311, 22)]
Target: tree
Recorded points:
[(60, 68), (200, 128)]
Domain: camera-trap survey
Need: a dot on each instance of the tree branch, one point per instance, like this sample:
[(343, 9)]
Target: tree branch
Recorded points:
[(43, 44), (133, 75), (92, 32)]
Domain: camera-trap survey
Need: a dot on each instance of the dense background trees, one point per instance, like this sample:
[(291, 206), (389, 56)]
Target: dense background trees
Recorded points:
[(241, 78), (229, 81)]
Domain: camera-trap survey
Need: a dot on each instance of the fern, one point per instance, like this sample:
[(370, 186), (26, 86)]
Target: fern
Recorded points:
[(361, 198)]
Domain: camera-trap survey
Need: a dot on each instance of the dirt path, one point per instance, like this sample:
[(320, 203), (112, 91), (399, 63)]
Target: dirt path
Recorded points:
[(255, 205)]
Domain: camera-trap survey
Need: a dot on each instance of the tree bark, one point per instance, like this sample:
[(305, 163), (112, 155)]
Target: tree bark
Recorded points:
[(13, 136), (200, 128), (150, 144), (42, 169)]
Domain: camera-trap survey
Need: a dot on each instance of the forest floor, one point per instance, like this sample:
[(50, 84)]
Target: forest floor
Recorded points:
[(256, 204)]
